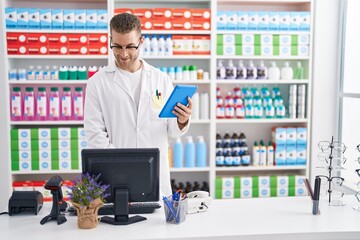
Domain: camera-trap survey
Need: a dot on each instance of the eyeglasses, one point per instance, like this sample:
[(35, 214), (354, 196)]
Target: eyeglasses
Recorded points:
[(333, 189), (323, 157), (324, 146), (129, 48), (358, 148), (358, 173), (357, 195)]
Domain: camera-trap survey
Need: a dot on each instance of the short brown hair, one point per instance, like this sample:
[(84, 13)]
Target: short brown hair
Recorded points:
[(125, 23)]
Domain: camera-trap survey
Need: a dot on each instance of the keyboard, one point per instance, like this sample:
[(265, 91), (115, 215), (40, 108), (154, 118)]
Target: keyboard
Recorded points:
[(134, 208)]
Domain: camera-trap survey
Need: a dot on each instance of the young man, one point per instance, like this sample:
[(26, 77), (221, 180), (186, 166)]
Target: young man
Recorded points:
[(122, 101)]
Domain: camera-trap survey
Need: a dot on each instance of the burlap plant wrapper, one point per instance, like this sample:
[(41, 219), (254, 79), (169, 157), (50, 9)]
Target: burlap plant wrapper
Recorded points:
[(87, 217)]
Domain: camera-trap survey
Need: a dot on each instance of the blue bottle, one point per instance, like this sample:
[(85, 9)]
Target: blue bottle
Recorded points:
[(190, 153), (178, 154), (201, 152)]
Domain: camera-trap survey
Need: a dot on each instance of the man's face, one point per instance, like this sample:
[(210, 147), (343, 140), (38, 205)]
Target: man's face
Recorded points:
[(125, 51)]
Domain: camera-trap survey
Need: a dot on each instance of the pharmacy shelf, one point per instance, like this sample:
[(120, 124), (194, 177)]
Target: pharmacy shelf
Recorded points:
[(261, 32), (205, 169), (174, 32), (58, 57), (260, 120), (176, 57), (200, 121), (265, 57), (258, 81), (79, 31), (33, 172), (162, 1), (191, 82), (56, 82), (275, 2), (258, 168), (41, 123)]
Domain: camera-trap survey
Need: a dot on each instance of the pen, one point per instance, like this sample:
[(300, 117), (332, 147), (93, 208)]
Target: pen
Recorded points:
[(309, 189), (157, 94), (316, 195), (171, 210)]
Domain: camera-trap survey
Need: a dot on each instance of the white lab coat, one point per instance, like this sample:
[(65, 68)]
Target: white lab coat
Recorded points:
[(113, 121)]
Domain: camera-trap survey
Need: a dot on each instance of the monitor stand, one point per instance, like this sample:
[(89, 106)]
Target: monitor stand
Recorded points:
[(121, 209)]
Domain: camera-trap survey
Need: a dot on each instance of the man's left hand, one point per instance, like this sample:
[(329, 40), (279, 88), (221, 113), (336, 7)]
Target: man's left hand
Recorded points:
[(183, 113)]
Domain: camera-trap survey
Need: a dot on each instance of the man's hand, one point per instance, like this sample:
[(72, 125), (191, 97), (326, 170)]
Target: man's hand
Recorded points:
[(183, 113)]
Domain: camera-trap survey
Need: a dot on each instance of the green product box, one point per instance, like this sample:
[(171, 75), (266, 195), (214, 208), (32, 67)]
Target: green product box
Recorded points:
[(294, 40)]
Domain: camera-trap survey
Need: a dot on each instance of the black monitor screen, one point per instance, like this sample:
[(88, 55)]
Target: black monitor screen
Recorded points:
[(133, 175)]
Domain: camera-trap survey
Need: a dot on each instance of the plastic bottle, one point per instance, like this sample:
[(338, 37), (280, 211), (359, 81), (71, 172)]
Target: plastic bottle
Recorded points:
[(262, 71), (66, 109), (299, 71), (220, 71), (229, 99), (63, 73), (239, 111), (251, 71), (54, 74), (189, 153), (270, 154), (161, 46), (193, 72), (195, 111), (228, 159), (230, 70), (204, 105), (146, 46), (219, 148), (21, 74), (82, 73), (186, 73), (178, 73), (29, 104), (219, 160), (154, 46), (13, 76), (245, 158), (256, 154), (171, 73), (178, 154), (229, 111), (280, 111), (201, 152), (91, 71), (78, 104), (39, 75), (236, 159), (16, 104), (30, 75), (286, 72), (273, 72), (234, 139), (47, 73), (241, 71), (54, 104), (262, 151), (269, 111), (258, 110), (73, 73), (168, 46), (41, 104)]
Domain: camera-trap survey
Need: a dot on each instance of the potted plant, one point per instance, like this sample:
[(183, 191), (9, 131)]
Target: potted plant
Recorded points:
[(87, 195)]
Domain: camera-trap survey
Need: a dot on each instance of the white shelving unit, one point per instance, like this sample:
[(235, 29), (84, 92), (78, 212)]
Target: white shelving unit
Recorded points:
[(255, 129)]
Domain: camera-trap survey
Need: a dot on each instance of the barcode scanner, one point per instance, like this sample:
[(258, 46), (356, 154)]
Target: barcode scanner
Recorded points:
[(54, 184)]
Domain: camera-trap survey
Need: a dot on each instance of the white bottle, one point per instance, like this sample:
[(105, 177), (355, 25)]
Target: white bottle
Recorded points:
[(30, 75), (231, 70), (168, 46), (286, 72), (221, 71), (39, 73), (241, 71), (270, 154), (46, 73), (256, 154), (195, 111), (274, 72), (161, 46), (251, 71), (146, 46), (154, 46), (204, 105), (262, 150), (54, 74)]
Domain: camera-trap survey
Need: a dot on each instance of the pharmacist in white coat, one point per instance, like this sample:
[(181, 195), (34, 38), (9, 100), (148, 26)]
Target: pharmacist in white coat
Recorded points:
[(124, 99)]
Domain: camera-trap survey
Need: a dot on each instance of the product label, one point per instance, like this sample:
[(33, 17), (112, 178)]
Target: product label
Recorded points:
[(54, 107), (29, 106), (78, 106), (41, 106), (16, 106), (66, 106)]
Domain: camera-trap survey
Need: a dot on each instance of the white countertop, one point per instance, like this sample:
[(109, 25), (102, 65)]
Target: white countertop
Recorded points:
[(259, 218)]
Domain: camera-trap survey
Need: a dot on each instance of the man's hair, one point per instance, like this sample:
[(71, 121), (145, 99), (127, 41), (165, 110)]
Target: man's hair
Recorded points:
[(125, 23)]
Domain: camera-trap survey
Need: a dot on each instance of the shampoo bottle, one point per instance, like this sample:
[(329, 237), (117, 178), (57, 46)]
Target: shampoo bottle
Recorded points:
[(286, 72), (178, 153), (274, 72), (190, 153), (201, 152)]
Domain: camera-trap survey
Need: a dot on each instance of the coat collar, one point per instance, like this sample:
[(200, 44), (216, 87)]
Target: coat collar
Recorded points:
[(112, 66)]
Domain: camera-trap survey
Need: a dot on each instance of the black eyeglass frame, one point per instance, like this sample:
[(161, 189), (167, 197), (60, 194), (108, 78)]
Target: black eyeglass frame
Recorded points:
[(127, 48)]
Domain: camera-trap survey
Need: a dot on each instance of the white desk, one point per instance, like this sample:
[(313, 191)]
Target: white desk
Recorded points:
[(271, 218)]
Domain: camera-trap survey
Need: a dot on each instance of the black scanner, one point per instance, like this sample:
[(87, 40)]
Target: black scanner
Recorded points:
[(21, 201)]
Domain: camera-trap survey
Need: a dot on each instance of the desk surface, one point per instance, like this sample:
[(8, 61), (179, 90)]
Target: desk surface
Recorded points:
[(270, 218)]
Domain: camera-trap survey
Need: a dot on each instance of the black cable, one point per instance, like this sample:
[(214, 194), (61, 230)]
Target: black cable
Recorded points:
[(4, 213)]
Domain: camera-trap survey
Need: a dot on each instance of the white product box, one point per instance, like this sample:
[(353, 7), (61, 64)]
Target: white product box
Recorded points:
[(22, 18), (227, 193), (290, 155), (44, 144), (246, 182), (34, 18), (282, 181), (264, 181), (246, 193), (303, 50), (80, 19), (266, 39), (10, 17), (242, 20), (82, 143), (263, 20), (301, 191), (24, 134), (229, 50), (284, 21), (64, 133), (300, 155), (25, 161), (280, 136), (69, 19), (253, 20), (282, 192), (229, 39), (64, 144), (102, 19), (285, 40), (228, 183), (274, 20), (248, 50), (81, 133), (301, 136), (303, 39), (231, 20), (294, 21), (267, 50), (44, 133), (24, 145), (299, 181), (64, 159), (57, 17), (285, 50), (304, 21), (280, 155), (221, 20), (45, 160), (248, 39), (264, 192), (290, 136), (91, 19), (45, 18)]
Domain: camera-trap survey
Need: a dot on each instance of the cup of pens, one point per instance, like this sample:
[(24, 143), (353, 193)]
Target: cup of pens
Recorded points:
[(175, 210)]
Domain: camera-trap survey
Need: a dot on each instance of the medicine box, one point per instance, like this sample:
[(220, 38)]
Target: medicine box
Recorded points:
[(45, 19), (253, 20), (274, 21), (231, 20), (34, 18), (80, 19), (102, 19), (91, 19), (10, 18), (263, 21), (242, 20), (69, 19), (221, 20), (22, 18), (284, 21), (294, 21), (57, 19)]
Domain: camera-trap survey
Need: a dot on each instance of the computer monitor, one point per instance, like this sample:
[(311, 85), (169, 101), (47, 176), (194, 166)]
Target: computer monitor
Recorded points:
[(133, 176)]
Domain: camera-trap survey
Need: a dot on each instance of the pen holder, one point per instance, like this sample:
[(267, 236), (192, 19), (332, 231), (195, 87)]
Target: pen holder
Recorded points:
[(175, 211)]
